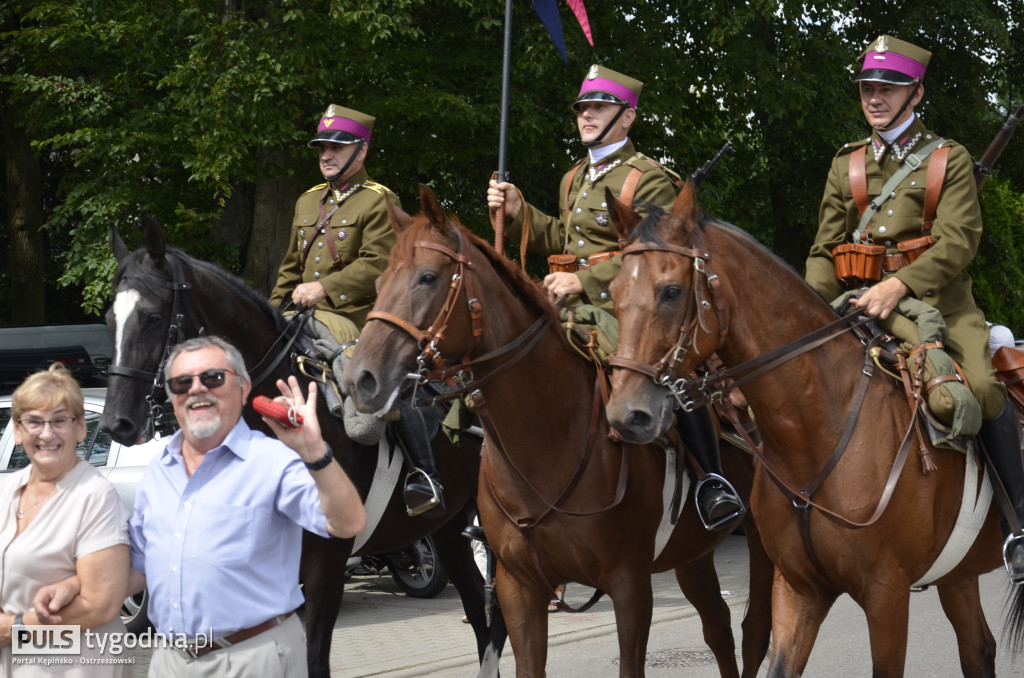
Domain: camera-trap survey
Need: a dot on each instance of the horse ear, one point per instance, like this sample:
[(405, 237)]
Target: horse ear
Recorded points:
[(116, 244), (624, 217), (399, 219), (684, 211), (156, 247), (432, 207)]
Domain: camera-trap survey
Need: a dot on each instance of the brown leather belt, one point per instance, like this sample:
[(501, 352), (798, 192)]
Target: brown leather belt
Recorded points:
[(193, 652)]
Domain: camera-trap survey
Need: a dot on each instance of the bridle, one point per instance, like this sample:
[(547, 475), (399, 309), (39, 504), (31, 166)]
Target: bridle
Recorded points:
[(183, 315), (431, 364)]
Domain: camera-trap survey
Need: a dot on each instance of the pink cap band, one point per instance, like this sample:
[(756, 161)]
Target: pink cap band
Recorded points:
[(611, 87), (894, 62), (345, 125)]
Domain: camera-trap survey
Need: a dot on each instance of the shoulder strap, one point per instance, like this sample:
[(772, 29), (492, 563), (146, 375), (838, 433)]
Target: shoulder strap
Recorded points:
[(571, 175), (933, 188), (910, 163), (859, 179), (629, 186)]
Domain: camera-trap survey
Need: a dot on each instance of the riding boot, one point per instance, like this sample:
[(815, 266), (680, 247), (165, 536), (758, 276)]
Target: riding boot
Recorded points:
[(718, 504), (423, 490), (1002, 443)]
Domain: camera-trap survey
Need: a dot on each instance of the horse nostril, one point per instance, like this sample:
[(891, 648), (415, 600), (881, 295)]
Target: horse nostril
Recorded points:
[(639, 420), (367, 384)]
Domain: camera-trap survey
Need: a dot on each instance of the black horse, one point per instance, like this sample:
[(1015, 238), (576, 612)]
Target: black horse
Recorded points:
[(163, 296)]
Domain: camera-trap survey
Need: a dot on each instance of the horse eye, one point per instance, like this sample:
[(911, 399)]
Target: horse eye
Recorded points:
[(154, 319), (671, 293), (428, 278)]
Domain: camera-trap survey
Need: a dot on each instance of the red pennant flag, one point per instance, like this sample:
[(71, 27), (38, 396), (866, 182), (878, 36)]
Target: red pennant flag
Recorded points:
[(581, 15)]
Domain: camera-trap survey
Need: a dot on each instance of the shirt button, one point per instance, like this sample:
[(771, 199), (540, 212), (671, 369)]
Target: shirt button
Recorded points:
[(331, 201), (344, 221), (583, 262), (174, 568), (888, 243), (604, 295), (320, 244), (177, 535), (893, 194), (913, 183), (175, 606), (317, 260), (580, 243), (604, 205), (881, 229), (578, 210), (579, 230), (316, 274), (584, 194), (343, 297), (890, 213)]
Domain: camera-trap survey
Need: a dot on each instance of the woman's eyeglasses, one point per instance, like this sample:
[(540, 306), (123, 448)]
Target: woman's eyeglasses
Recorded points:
[(211, 379), (58, 424)]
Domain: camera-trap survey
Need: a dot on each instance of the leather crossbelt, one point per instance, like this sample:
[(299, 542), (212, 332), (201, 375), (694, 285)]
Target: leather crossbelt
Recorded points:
[(236, 637)]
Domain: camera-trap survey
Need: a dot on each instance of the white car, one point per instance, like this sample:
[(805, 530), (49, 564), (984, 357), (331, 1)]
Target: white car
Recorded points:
[(122, 465)]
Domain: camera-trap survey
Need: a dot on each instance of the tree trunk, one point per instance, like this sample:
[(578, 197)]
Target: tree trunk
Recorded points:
[(26, 254), (273, 208)]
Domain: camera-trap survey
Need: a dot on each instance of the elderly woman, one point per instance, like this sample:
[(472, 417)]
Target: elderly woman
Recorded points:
[(60, 518)]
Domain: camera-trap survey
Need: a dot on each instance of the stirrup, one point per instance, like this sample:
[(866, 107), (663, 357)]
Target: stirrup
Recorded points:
[(417, 502), (728, 518), (1011, 540)]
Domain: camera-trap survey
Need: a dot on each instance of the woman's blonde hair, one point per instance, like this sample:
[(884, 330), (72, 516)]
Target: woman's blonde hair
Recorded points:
[(49, 390)]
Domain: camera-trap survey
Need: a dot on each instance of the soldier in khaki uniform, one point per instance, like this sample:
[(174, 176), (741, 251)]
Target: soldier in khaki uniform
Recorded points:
[(341, 239), (605, 110), (890, 82), (341, 235)]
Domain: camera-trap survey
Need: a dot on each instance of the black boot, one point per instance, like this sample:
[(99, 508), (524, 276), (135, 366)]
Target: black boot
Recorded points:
[(423, 490), (718, 504), (1002, 444)]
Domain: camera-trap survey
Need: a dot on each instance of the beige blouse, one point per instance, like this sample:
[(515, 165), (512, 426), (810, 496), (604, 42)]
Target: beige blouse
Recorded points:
[(83, 516)]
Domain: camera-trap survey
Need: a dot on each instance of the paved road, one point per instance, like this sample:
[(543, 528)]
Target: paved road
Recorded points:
[(382, 632)]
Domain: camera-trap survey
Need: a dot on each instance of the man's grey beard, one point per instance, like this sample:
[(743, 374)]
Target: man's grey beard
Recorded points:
[(203, 429)]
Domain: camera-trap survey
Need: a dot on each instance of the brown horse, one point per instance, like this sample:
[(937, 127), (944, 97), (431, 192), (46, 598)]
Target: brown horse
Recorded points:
[(690, 286), (559, 501), (163, 297)]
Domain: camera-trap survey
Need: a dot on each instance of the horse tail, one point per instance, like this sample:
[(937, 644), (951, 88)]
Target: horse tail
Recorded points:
[(1013, 631)]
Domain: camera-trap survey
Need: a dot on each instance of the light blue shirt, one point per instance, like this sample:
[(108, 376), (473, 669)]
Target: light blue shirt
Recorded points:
[(220, 550)]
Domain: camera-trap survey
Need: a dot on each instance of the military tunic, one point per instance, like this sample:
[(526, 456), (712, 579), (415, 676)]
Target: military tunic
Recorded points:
[(939, 275), (588, 229), (362, 235)]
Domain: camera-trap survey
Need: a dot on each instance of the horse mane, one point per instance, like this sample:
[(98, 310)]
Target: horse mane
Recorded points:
[(139, 267), (647, 232)]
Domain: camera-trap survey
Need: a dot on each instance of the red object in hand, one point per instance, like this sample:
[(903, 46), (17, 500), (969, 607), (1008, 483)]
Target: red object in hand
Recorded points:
[(277, 411)]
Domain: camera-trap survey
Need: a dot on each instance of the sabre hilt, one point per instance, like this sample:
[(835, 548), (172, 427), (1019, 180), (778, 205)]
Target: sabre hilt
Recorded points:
[(702, 173)]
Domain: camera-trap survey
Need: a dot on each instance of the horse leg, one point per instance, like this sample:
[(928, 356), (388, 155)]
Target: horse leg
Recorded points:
[(887, 606), (633, 601), (456, 557), (322, 572), (524, 607), (699, 583), (757, 620), (796, 619), (962, 605)]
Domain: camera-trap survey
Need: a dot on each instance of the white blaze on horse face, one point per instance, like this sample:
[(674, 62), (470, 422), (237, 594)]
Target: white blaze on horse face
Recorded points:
[(124, 304)]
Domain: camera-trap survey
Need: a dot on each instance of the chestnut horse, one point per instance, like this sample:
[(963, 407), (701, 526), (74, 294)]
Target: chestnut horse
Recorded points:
[(163, 296), (559, 500), (691, 286)]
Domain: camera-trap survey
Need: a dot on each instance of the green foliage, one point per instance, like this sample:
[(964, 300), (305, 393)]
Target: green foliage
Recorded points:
[(174, 109)]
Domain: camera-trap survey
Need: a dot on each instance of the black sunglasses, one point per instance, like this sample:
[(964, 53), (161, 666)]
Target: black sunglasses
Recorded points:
[(211, 379)]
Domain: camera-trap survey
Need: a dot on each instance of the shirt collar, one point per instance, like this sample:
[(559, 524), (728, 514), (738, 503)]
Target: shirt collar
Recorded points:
[(891, 135), (236, 443), (599, 154)]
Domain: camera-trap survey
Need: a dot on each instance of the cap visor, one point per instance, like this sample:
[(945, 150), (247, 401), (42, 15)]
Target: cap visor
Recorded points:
[(884, 75), (598, 96), (335, 137)]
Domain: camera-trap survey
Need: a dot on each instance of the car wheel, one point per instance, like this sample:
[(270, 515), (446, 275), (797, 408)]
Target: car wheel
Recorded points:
[(135, 612), (416, 572)]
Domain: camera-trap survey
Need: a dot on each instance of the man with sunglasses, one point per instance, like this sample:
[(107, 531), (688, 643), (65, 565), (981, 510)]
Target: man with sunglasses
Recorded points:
[(216, 532)]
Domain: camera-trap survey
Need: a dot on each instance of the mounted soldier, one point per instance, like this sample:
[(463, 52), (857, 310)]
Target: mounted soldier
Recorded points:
[(903, 203), (341, 238), (581, 243)]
